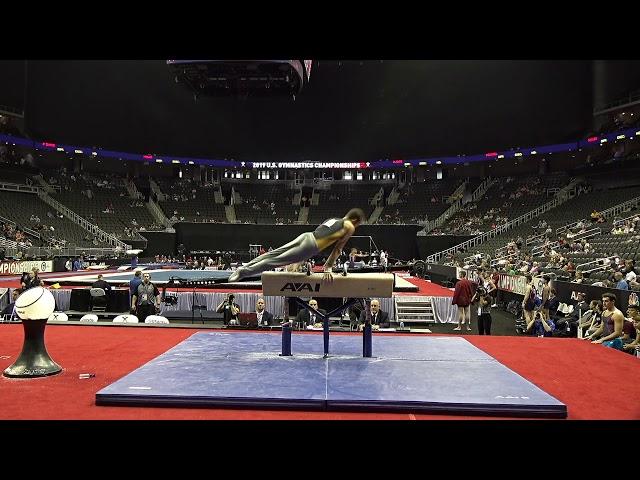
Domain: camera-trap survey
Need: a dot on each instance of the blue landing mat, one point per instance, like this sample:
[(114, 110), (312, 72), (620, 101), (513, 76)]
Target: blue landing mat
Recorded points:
[(426, 374)]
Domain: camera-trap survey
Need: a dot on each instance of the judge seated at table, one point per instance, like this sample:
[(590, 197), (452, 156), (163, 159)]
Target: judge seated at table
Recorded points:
[(379, 319)]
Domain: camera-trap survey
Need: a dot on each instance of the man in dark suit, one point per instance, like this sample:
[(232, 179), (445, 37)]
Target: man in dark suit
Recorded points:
[(9, 309), (379, 319), (264, 318), (306, 318), (134, 282), (101, 283), (146, 300)]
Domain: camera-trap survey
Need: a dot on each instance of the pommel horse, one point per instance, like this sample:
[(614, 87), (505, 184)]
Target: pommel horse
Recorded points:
[(353, 286)]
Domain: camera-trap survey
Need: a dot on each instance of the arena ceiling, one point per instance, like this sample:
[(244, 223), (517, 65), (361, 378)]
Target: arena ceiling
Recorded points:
[(350, 110)]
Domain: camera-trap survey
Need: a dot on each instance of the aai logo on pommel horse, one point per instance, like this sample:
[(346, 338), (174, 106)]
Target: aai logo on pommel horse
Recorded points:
[(301, 287)]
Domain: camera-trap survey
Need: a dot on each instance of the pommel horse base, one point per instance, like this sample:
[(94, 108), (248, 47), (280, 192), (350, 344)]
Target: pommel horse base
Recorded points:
[(352, 286)]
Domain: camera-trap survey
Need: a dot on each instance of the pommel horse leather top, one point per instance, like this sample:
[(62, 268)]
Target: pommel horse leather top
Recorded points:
[(354, 285)]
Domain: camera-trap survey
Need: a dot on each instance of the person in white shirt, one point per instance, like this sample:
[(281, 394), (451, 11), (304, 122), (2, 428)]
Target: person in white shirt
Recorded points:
[(383, 260)]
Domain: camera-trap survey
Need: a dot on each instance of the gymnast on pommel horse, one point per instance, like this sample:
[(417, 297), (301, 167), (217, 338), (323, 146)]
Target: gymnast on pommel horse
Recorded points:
[(334, 231)]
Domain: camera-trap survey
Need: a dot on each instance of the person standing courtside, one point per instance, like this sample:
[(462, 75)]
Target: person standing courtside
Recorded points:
[(483, 299), (383, 260), (134, 282), (462, 296), (146, 300), (546, 292), (528, 302)]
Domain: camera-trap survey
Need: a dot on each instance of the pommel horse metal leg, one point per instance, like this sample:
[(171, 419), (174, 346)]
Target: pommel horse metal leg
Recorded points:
[(286, 328), (367, 349), (366, 340), (325, 335), (286, 340), (366, 331)]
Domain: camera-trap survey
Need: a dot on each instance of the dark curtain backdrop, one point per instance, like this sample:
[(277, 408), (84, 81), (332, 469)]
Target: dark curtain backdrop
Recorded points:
[(398, 240)]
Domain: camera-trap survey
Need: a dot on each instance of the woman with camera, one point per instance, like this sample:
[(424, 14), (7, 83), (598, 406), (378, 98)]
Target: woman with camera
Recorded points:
[(230, 309), (482, 299)]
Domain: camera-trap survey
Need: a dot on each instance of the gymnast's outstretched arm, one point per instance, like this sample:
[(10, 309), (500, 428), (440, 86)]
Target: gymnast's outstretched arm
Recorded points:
[(337, 250)]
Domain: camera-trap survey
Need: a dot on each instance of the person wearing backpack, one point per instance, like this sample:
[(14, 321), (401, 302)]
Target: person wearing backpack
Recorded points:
[(546, 293), (528, 303), (483, 301)]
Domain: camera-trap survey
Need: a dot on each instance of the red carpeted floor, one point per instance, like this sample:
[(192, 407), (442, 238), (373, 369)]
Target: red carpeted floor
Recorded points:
[(593, 381), (427, 288)]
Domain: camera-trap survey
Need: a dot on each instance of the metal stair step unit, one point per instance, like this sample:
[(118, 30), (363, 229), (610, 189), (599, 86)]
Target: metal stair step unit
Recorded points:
[(413, 310), (217, 195), (82, 222), (375, 215), (230, 212), (33, 233), (303, 215), (132, 190), (564, 194), (155, 188), (458, 191), (537, 250), (531, 239), (45, 185), (457, 205), (621, 207), (475, 256), (620, 222), (157, 213), (296, 197), (393, 196), (461, 247), (595, 265)]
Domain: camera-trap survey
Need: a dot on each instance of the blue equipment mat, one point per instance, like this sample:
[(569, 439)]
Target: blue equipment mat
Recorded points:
[(407, 373)]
